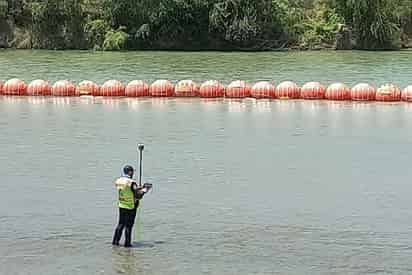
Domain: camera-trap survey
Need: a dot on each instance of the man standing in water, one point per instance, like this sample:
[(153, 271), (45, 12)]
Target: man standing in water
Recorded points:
[(129, 195)]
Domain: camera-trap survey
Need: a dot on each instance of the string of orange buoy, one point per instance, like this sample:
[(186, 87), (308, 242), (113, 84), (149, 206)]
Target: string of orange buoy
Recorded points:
[(209, 89)]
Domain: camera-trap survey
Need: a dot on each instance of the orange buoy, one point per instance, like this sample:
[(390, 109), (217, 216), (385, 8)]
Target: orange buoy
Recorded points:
[(137, 88), (337, 91), (186, 88), (212, 89), (388, 92), (238, 89), (407, 94), (162, 88), (1, 87), (287, 89), (87, 87), (363, 92), (112, 88), (39, 87), (263, 89), (63, 88), (14, 87), (313, 90)]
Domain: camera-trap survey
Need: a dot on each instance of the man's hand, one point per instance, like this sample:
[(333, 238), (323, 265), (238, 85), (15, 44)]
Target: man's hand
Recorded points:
[(142, 190), (148, 186)]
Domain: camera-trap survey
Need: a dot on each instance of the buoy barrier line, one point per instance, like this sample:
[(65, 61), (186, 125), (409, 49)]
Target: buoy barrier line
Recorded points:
[(313, 90), (137, 88), (14, 86), (186, 88), (239, 89), (263, 89), (212, 89), (63, 88), (287, 90), (388, 92), (407, 94), (363, 92), (162, 88), (39, 87), (337, 91), (88, 88)]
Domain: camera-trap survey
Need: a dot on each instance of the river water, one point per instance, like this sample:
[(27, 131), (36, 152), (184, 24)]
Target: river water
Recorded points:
[(241, 187)]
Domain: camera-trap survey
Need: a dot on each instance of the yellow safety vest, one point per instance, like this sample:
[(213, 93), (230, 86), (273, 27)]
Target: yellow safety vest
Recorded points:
[(126, 195)]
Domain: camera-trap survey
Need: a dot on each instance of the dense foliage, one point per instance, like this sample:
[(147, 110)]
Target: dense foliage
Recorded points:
[(206, 24)]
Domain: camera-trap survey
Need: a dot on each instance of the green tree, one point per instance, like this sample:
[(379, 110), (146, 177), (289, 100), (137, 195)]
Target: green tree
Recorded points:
[(4, 7), (129, 13), (73, 25), (243, 22), (373, 21), (181, 23), (201, 24), (57, 24), (403, 13), (47, 24)]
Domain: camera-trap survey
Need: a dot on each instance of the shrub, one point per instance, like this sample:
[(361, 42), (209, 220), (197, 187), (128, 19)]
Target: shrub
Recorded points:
[(96, 31), (115, 40)]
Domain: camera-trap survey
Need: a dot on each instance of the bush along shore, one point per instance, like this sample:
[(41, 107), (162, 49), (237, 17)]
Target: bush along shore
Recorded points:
[(206, 24)]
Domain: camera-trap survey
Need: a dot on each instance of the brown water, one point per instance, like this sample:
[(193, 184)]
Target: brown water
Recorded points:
[(241, 187)]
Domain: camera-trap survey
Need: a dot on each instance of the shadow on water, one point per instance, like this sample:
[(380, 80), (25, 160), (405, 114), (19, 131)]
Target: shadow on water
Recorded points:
[(141, 245), (147, 244)]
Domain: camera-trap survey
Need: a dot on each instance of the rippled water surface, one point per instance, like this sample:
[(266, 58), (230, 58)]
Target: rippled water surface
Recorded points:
[(241, 187)]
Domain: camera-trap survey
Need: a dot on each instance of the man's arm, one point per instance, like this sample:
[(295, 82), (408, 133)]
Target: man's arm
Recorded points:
[(139, 191)]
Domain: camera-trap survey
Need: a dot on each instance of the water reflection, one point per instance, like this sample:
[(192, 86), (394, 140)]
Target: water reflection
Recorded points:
[(262, 106), (160, 102), (62, 101), (407, 107), (37, 100), (211, 104), (335, 106), (312, 107), (136, 103), (235, 105), (128, 261), (286, 105), (362, 106), (12, 99)]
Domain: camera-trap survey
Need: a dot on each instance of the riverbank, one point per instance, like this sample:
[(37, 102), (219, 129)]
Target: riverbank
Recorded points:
[(206, 25)]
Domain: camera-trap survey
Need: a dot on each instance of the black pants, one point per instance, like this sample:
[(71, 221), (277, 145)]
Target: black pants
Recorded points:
[(126, 221)]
